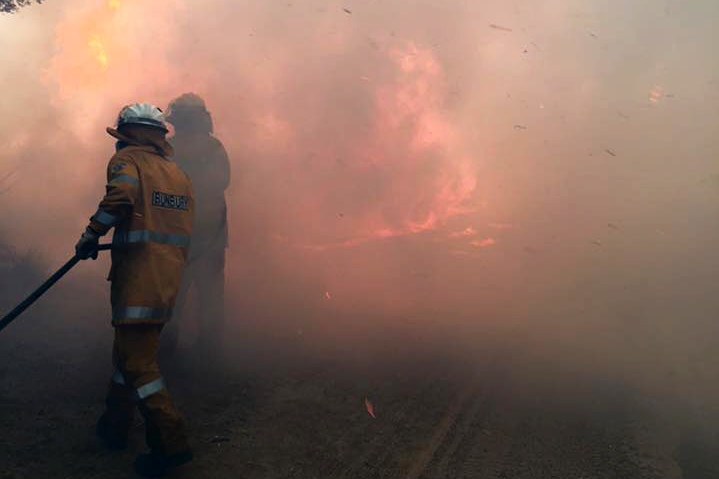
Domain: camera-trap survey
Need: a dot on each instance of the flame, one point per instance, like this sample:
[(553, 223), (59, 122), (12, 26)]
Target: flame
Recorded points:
[(98, 50), (85, 41), (370, 407), (410, 134), (412, 138), (95, 45), (415, 101), (328, 295)]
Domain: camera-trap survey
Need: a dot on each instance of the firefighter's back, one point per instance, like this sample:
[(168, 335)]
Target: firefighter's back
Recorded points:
[(152, 243)]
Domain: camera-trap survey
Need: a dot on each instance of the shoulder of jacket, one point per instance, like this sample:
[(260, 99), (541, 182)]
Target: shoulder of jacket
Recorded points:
[(216, 143), (125, 155)]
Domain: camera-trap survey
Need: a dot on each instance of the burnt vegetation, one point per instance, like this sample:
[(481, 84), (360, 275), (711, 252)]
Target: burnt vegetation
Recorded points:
[(12, 6), (18, 270)]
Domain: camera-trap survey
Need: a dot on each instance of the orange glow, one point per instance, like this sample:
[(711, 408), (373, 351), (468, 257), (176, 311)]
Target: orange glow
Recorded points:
[(483, 243), (410, 135), (85, 42), (501, 226), (98, 50), (413, 137), (468, 231), (656, 94), (97, 46)]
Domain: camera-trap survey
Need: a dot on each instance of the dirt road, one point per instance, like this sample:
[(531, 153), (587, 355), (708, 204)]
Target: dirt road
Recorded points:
[(307, 417)]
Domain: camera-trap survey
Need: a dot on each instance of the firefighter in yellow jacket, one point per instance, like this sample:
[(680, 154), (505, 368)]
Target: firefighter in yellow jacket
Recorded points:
[(149, 203)]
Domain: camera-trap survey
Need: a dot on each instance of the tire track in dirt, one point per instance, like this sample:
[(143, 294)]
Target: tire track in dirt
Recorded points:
[(446, 438), (409, 441), (489, 432), (379, 457), (446, 426), (460, 432)]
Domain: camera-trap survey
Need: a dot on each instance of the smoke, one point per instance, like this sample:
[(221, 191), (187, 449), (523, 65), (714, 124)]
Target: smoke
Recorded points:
[(543, 169)]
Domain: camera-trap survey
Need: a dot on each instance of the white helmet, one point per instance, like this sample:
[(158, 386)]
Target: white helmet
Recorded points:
[(142, 114)]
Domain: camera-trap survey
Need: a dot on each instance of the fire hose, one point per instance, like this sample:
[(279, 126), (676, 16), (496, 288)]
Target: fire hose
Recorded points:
[(35, 295)]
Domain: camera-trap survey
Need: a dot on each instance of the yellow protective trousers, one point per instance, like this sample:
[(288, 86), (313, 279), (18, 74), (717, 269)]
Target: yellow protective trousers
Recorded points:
[(137, 382)]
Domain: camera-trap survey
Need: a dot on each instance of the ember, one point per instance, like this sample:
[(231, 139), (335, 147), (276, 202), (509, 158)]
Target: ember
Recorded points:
[(370, 408)]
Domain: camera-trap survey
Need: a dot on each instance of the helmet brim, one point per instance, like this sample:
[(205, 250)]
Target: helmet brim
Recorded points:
[(145, 122), (113, 132)]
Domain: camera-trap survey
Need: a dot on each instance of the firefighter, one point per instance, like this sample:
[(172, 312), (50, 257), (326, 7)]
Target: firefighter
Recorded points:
[(203, 157), (149, 203)]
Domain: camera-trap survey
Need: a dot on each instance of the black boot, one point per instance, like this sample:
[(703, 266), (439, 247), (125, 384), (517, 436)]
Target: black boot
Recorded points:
[(158, 465), (111, 435)]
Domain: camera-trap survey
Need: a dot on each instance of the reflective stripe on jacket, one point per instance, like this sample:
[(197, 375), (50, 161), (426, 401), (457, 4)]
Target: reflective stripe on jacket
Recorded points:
[(149, 202)]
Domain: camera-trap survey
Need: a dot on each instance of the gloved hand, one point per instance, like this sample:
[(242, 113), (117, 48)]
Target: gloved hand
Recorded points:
[(87, 246)]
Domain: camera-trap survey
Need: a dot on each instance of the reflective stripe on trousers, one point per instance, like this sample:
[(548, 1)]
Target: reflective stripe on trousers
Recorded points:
[(150, 388), (147, 236), (118, 378), (143, 392), (141, 312)]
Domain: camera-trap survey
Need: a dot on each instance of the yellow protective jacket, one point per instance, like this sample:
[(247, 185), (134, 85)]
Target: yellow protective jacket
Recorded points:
[(149, 203)]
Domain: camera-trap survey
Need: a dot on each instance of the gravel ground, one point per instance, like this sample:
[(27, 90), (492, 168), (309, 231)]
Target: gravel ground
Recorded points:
[(307, 416)]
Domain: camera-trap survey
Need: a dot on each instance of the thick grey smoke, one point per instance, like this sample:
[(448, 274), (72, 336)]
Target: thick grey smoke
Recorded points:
[(543, 169)]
